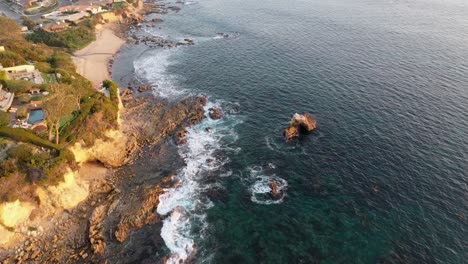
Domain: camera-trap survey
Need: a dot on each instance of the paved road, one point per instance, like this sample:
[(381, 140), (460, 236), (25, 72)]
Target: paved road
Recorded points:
[(5, 9), (16, 13)]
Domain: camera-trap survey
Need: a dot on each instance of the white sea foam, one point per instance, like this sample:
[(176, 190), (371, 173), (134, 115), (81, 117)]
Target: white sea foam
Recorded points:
[(186, 204), (183, 203), (152, 69), (190, 2), (173, 230)]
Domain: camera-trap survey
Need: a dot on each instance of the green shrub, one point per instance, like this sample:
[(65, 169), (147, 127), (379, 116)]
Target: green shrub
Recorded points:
[(4, 119), (8, 167), (24, 98), (22, 152), (62, 61), (43, 67), (28, 22), (18, 86), (10, 59), (73, 38), (3, 143), (22, 112), (24, 135), (113, 88)]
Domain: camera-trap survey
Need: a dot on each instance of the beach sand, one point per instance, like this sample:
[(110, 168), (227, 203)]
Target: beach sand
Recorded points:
[(91, 61)]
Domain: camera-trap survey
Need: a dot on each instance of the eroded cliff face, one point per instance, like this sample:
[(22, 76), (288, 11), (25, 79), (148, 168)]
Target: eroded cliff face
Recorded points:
[(129, 14), (15, 213), (66, 195), (113, 151), (15, 217), (18, 219)]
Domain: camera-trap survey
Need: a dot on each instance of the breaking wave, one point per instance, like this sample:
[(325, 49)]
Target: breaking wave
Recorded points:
[(185, 205), (152, 69)]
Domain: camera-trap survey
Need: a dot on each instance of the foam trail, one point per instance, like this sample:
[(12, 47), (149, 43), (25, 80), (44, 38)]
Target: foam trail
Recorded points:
[(152, 68), (185, 204)]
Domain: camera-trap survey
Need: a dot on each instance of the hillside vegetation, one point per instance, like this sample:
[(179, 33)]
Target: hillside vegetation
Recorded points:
[(29, 159)]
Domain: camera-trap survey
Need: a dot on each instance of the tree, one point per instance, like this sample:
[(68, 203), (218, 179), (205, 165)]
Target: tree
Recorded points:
[(60, 103), (28, 22), (113, 88), (18, 86)]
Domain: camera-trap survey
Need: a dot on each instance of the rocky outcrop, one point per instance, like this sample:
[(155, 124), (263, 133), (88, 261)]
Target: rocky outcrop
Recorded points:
[(96, 234), (214, 113), (171, 121), (113, 151), (299, 123), (143, 215), (180, 137), (275, 191)]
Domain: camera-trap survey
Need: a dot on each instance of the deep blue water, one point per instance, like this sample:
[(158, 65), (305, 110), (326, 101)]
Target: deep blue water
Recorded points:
[(383, 179)]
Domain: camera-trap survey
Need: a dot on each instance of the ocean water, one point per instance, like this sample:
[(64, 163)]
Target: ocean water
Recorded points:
[(383, 179)]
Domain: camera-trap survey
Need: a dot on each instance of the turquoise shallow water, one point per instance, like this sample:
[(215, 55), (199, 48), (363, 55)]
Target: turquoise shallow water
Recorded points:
[(384, 178), (36, 116)]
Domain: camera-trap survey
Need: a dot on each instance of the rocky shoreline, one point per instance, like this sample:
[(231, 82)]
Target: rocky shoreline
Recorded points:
[(125, 201), (118, 222)]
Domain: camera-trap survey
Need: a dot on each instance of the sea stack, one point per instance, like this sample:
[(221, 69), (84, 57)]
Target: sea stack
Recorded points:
[(299, 123)]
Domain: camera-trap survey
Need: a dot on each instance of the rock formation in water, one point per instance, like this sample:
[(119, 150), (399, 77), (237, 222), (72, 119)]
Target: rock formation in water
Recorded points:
[(299, 123), (214, 113), (275, 191)]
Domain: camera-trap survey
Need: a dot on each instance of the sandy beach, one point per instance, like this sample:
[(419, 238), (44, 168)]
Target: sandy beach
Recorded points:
[(91, 61)]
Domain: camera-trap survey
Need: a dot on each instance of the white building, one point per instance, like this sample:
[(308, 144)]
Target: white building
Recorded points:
[(6, 99)]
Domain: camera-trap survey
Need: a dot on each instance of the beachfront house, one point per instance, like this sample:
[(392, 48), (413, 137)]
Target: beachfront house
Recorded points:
[(94, 2), (6, 99), (93, 9), (23, 72), (54, 26), (59, 16)]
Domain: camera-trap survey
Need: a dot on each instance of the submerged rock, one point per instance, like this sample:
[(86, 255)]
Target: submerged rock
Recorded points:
[(144, 88), (299, 123)]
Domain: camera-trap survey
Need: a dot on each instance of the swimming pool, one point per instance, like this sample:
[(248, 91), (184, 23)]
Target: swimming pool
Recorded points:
[(36, 116)]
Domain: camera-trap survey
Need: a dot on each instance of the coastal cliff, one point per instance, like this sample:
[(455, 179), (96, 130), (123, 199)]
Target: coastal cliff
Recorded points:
[(28, 210), (99, 193)]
